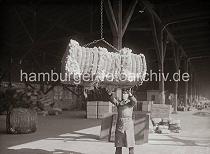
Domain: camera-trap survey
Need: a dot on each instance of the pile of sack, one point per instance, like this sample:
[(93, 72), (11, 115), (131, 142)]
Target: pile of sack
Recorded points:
[(166, 125)]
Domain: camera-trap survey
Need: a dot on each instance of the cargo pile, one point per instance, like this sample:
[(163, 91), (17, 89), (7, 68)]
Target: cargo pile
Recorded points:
[(96, 66), (166, 125)]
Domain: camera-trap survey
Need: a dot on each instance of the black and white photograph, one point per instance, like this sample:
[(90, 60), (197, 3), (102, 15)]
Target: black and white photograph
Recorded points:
[(104, 77)]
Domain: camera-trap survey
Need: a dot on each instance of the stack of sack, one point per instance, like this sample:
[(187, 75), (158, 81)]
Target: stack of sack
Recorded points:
[(162, 129), (163, 126), (166, 125)]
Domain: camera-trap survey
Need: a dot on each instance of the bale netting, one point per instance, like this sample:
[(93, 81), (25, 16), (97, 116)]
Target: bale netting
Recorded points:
[(97, 66), (21, 121)]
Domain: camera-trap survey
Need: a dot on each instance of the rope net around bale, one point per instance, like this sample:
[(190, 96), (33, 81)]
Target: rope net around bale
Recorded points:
[(96, 66)]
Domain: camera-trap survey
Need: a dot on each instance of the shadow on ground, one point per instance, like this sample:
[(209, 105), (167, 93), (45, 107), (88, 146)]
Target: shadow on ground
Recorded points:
[(38, 151), (175, 141), (48, 127)]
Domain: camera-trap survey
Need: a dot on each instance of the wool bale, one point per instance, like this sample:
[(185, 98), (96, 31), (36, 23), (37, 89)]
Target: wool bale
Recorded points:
[(98, 62), (21, 120)]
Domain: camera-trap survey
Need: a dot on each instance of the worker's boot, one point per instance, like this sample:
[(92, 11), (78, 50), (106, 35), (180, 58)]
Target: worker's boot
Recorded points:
[(118, 150)]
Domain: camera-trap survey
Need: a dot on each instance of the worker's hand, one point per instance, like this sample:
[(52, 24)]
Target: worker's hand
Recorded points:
[(109, 91), (129, 92), (85, 93)]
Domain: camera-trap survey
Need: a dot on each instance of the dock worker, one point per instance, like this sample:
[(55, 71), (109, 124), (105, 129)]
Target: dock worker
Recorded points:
[(124, 133)]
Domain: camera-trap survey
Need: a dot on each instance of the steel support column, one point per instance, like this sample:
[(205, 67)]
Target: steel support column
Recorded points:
[(177, 60), (160, 43), (186, 82), (118, 24)]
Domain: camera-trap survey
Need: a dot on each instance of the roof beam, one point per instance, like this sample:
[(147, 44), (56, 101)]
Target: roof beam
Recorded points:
[(206, 53), (195, 34), (198, 46), (111, 17), (195, 40), (190, 26), (128, 15), (156, 39), (192, 16), (170, 36), (198, 51)]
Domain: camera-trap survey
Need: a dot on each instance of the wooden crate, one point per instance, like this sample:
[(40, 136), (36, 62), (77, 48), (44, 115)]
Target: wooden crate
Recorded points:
[(103, 108), (146, 106), (98, 109), (160, 111), (92, 109)]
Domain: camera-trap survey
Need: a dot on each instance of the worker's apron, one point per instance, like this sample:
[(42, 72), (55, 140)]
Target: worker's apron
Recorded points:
[(124, 134)]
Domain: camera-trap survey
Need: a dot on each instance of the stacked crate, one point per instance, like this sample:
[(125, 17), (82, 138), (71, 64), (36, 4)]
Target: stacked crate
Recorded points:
[(146, 106), (138, 106), (92, 109), (104, 108), (160, 111)]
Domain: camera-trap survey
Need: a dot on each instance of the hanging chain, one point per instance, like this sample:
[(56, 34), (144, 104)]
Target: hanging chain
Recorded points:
[(93, 42), (102, 39), (101, 27), (110, 45), (101, 31), (101, 9)]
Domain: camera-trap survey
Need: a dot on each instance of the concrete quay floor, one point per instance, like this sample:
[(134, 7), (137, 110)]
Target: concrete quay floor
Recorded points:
[(70, 133)]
